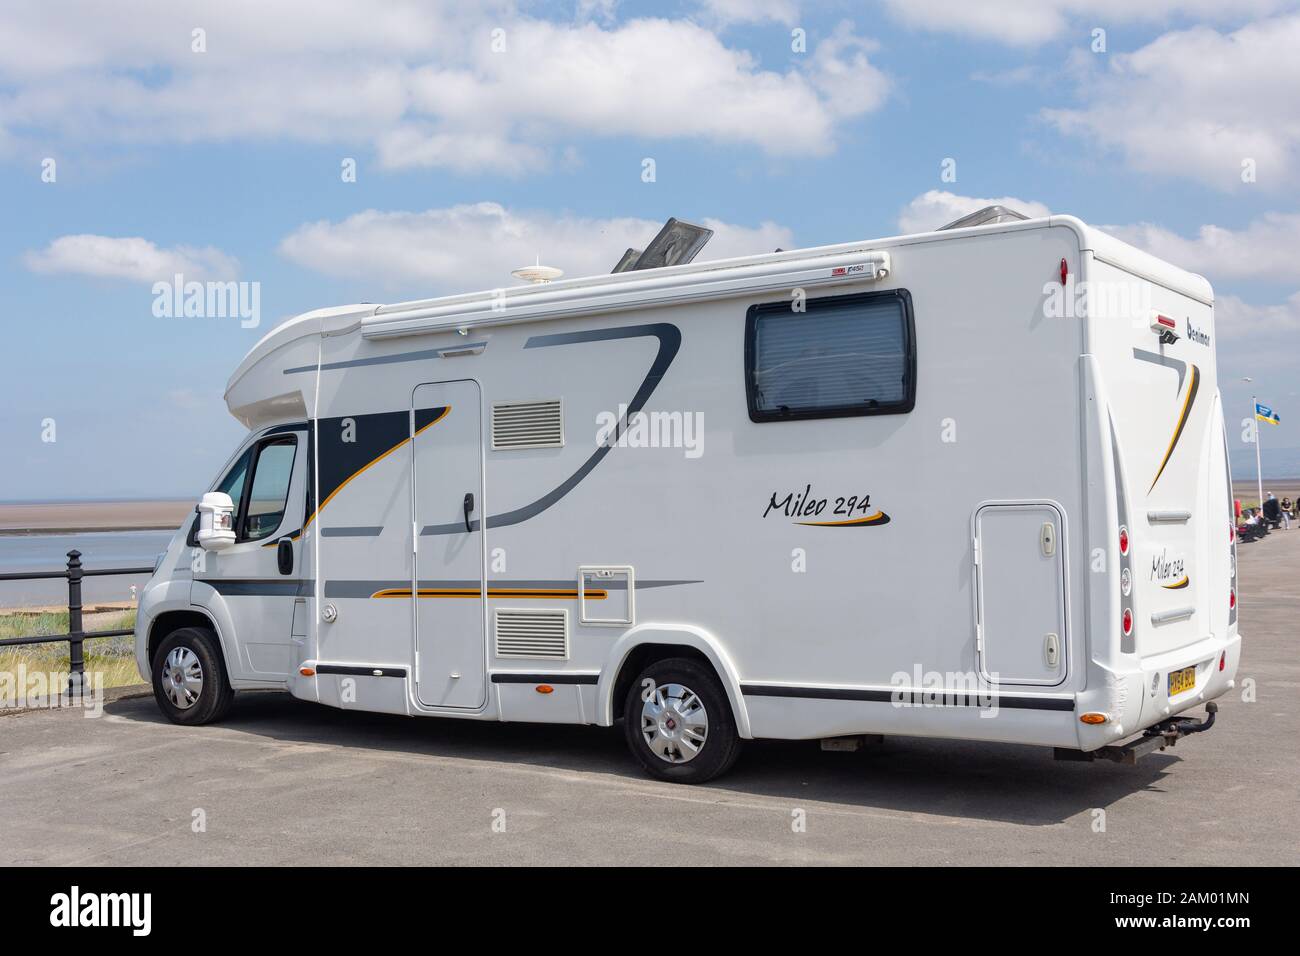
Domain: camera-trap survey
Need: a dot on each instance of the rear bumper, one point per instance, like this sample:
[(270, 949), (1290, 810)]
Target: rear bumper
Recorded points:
[(1167, 733), (1138, 698)]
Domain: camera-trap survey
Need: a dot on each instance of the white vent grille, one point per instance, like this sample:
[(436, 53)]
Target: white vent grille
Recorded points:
[(528, 424), (527, 633)]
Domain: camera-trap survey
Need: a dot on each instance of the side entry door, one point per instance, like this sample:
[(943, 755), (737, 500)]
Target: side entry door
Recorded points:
[(450, 599), (258, 579), (1020, 593)]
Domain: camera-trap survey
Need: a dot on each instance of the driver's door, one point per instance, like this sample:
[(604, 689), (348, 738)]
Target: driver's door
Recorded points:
[(251, 596)]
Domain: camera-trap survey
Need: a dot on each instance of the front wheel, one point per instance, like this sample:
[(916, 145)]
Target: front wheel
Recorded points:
[(678, 722), (189, 681)]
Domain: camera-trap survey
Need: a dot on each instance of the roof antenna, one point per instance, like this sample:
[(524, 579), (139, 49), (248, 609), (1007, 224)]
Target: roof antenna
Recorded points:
[(538, 274)]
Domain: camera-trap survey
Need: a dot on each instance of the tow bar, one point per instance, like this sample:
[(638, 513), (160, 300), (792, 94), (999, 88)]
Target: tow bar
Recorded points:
[(1167, 733)]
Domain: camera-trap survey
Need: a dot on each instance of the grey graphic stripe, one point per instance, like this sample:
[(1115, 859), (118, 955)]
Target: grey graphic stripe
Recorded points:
[(388, 359), (1155, 358), (670, 340), (358, 532)]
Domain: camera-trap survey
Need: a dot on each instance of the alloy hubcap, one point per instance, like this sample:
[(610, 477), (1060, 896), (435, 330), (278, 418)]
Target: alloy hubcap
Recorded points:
[(674, 723), (182, 677)]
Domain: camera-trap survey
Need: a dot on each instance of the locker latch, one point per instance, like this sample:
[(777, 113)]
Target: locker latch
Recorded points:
[(1052, 650), (1047, 538)]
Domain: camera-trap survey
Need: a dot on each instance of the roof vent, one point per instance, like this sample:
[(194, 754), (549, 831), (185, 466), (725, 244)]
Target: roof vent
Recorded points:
[(677, 243), (985, 217), (538, 274)]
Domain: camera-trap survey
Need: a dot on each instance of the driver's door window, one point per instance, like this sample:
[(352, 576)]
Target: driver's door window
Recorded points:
[(262, 510)]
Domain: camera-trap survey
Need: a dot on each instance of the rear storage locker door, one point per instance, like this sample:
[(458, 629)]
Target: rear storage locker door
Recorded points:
[(1020, 593)]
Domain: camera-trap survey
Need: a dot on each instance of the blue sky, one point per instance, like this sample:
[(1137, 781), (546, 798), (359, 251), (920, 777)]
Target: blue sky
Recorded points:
[(225, 163)]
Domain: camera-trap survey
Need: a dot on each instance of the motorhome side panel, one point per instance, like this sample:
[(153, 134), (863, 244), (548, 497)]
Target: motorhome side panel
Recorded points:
[(818, 613)]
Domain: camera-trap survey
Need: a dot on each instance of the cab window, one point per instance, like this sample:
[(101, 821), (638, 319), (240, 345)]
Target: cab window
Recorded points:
[(262, 510), (233, 483)]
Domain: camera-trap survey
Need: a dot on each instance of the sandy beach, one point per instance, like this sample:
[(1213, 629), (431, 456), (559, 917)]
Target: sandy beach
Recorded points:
[(1246, 490), (65, 517)]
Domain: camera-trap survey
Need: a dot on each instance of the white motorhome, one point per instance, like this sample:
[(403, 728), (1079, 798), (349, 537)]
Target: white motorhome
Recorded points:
[(970, 483)]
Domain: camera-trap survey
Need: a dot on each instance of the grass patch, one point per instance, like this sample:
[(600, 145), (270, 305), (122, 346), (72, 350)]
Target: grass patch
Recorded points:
[(114, 657)]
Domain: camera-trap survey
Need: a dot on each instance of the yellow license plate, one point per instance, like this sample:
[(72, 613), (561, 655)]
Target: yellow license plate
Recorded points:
[(1181, 680)]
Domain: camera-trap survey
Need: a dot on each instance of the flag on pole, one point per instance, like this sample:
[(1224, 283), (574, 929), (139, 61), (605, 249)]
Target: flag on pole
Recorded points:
[(1266, 414)]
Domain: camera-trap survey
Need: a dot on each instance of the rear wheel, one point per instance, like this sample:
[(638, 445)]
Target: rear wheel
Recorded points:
[(189, 679), (678, 722)]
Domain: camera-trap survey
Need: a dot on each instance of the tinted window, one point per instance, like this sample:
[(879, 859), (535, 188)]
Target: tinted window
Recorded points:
[(845, 355), (270, 490), (233, 483)]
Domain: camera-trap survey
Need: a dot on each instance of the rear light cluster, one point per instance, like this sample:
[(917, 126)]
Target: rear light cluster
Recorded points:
[(1126, 591), (1232, 570), (1232, 544)]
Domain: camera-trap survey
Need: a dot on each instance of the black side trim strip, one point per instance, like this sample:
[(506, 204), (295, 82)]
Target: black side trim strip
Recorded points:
[(512, 678), (251, 587), (910, 696), (360, 670)]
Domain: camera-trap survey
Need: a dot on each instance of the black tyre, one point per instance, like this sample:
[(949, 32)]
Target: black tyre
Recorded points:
[(189, 677), (678, 722)]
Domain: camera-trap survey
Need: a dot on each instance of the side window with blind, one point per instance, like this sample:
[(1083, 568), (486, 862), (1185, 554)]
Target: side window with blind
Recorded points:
[(845, 355)]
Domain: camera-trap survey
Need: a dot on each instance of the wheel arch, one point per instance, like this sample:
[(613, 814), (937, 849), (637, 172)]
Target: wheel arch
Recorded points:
[(172, 620), (646, 643)]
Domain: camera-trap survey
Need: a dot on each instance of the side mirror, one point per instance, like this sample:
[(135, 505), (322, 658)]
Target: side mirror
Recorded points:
[(216, 521)]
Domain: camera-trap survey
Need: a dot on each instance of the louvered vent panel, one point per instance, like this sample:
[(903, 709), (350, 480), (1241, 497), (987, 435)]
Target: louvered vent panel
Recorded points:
[(527, 633), (528, 424)]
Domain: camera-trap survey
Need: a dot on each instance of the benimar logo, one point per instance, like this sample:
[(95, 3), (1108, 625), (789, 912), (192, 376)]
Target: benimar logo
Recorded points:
[(75, 908)]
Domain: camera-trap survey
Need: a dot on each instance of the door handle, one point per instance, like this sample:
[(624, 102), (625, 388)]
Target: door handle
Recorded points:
[(469, 508), (284, 555)]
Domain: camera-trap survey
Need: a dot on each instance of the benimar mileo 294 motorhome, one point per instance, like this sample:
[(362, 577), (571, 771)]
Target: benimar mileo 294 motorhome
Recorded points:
[(917, 486)]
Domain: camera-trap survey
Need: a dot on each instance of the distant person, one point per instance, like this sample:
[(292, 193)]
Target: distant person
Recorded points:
[(1272, 511), (1287, 511)]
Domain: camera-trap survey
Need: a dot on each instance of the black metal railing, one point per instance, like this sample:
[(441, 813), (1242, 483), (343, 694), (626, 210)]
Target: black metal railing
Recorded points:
[(76, 635)]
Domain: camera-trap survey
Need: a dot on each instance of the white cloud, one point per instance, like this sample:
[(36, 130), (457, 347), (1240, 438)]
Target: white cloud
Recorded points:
[(1265, 249), (936, 208), (475, 246), (129, 258), (1197, 103), (1025, 22), (751, 11), (1258, 326), (1255, 340), (422, 80)]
